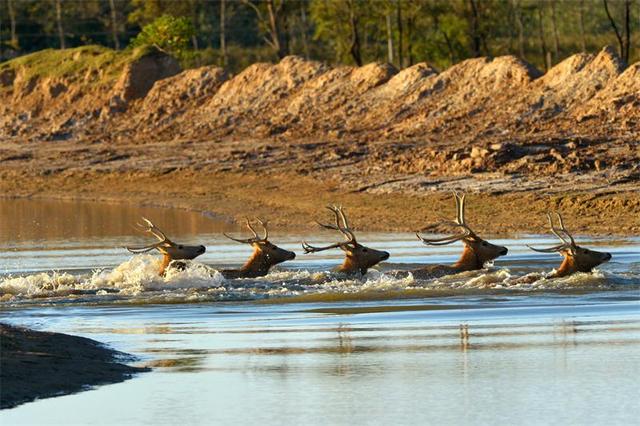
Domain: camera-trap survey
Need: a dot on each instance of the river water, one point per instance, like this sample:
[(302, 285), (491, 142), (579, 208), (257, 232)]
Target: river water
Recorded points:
[(306, 345)]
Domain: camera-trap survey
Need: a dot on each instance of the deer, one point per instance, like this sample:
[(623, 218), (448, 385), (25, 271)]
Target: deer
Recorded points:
[(476, 253), (265, 254), (358, 258), (171, 251), (576, 258)]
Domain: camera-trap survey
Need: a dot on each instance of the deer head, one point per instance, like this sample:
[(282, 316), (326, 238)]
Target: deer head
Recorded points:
[(476, 251), (358, 257), (170, 250), (265, 254), (576, 258)]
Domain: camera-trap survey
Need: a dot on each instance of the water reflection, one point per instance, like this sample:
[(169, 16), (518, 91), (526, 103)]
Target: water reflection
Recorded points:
[(284, 365), (53, 220), (191, 364), (345, 339)]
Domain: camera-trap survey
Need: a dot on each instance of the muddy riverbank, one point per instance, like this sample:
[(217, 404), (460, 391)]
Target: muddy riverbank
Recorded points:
[(35, 365)]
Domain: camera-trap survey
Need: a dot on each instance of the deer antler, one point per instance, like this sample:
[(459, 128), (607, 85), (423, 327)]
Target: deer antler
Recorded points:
[(571, 244), (149, 227), (563, 229), (255, 238), (459, 222), (343, 228)]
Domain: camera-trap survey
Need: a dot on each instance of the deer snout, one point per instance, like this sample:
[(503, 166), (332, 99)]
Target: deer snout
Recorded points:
[(504, 251), (201, 249), (607, 257), (385, 255), (290, 255)]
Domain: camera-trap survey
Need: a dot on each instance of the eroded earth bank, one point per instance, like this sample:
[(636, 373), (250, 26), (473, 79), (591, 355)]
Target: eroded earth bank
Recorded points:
[(280, 140)]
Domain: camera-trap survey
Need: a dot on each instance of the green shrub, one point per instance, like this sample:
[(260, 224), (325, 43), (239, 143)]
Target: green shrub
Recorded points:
[(170, 34)]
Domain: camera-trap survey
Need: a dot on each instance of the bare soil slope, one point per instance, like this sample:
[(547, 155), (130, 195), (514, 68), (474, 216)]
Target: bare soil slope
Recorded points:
[(495, 126)]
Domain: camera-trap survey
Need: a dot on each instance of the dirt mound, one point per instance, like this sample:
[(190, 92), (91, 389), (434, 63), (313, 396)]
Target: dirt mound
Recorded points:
[(249, 99), (296, 98), (70, 93), (324, 104), (138, 77), (171, 101), (483, 115), (571, 83), (461, 98), (619, 101)]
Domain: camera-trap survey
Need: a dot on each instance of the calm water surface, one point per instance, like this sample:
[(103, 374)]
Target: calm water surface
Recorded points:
[(470, 349)]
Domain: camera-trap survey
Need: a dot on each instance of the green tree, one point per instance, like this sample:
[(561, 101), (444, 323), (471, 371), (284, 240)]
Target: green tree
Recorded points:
[(339, 24), (169, 34)]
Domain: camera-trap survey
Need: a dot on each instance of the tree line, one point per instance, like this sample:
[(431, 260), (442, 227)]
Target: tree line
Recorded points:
[(235, 33)]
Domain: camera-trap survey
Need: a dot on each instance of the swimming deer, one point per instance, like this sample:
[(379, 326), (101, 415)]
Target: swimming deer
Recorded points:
[(265, 255), (476, 251), (170, 250), (358, 258), (576, 258)]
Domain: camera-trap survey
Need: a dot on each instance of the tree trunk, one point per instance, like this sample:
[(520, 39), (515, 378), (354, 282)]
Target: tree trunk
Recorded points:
[(223, 34), (409, 40), (287, 35), (194, 38), (543, 44), (272, 23), (627, 30), (12, 24), (520, 25), (114, 25), (438, 28), (556, 40), (400, 34), (59, 22), (583, 41), (303, 31), (511, 18), (277, 41), (615, 29), (389, 40), (474, 24), (355, 37)]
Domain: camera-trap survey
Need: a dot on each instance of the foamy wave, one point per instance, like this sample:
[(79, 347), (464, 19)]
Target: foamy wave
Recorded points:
[(38, 285), (135, 277), (140, 274), (579, 281), (137, 281)]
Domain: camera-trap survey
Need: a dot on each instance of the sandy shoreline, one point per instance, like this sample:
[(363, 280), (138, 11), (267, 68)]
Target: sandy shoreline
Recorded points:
[(293, 202), (36, 365)]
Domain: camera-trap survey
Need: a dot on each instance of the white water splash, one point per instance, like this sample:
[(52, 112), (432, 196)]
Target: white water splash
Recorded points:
[(137, 281), (135, 277)]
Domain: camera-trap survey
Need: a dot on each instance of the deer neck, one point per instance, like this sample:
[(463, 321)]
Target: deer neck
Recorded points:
[(166, 260), (257, 265), (349, 266), (468, 261), (567, 267)]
